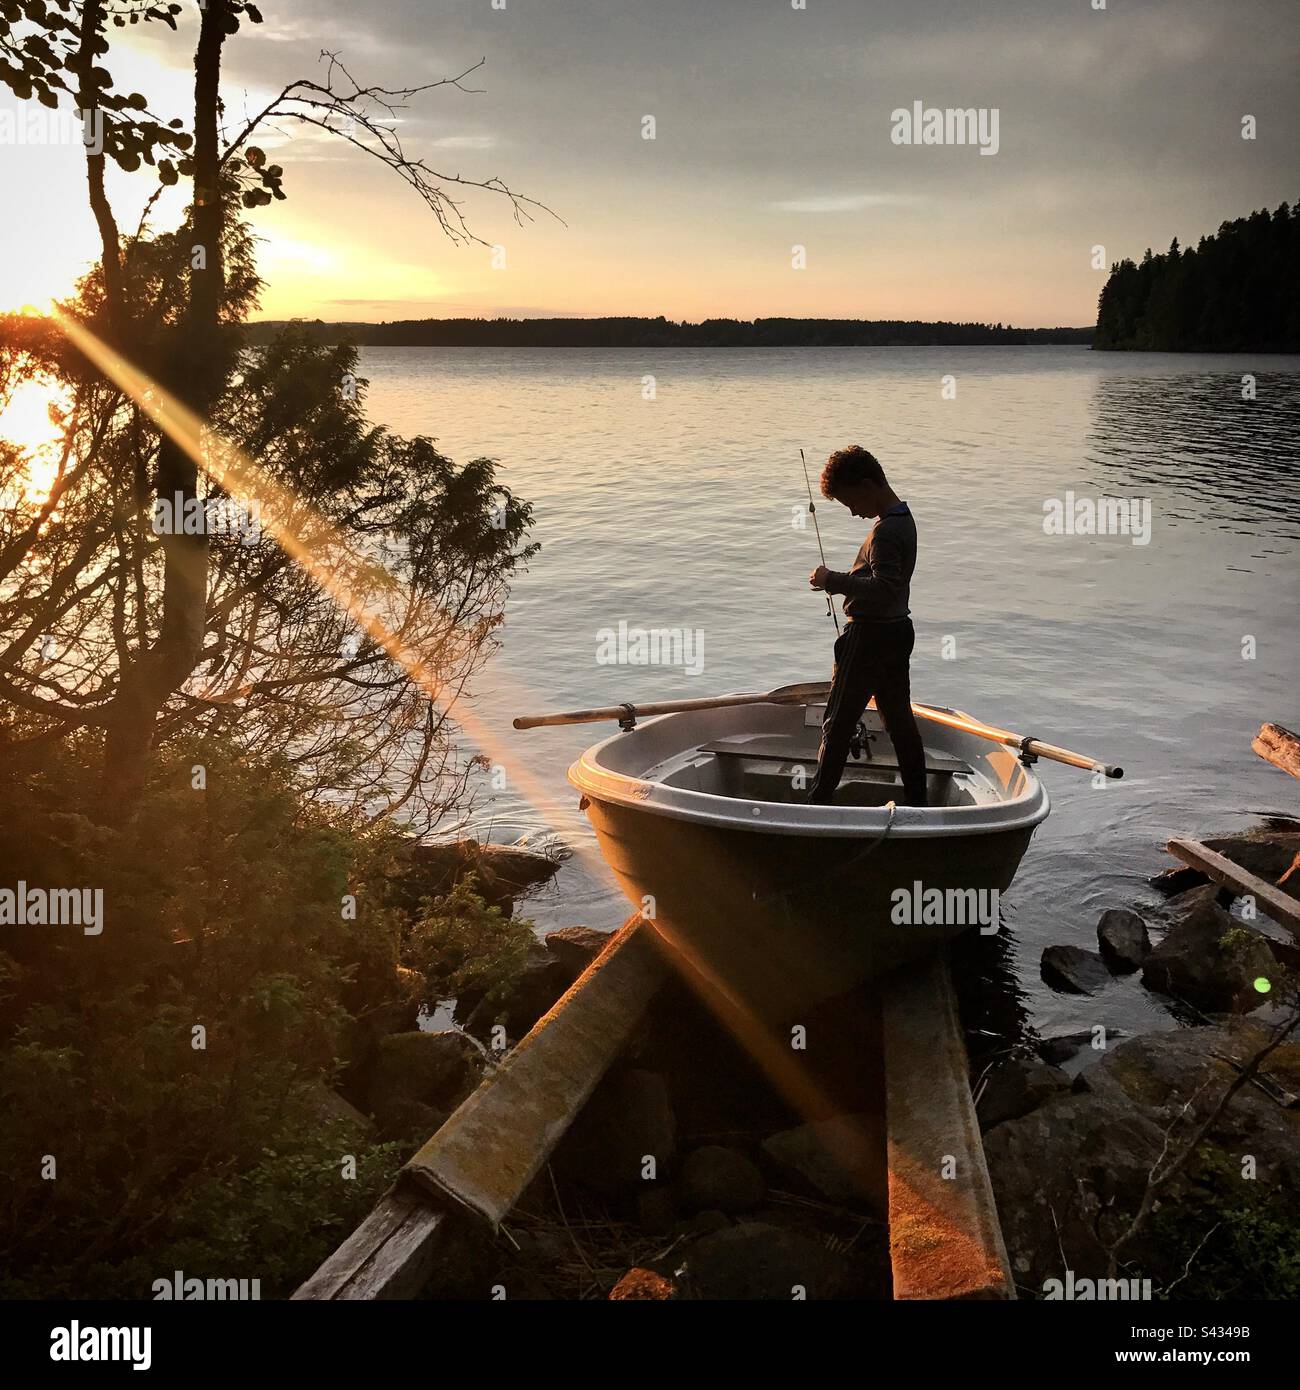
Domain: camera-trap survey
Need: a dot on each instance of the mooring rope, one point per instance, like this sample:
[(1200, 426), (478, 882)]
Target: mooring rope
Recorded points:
[(761, 899)]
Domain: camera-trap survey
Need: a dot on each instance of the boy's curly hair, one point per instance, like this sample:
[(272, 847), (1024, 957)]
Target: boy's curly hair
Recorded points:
[(848, 467)]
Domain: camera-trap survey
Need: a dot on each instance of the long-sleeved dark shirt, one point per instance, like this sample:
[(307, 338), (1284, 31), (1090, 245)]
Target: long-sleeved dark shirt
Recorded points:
[(876, 588)]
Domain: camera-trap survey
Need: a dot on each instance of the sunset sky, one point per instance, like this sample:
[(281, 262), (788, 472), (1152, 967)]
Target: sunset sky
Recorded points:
[(1119, 127)]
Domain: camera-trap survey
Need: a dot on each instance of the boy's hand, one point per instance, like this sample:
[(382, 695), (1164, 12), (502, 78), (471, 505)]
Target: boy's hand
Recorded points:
[(817, 579)]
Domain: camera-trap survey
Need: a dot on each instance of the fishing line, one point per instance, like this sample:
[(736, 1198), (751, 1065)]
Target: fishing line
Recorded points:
[(812, 511)]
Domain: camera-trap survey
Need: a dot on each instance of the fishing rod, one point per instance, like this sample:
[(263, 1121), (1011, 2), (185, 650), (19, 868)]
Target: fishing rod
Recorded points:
[(812, 509)]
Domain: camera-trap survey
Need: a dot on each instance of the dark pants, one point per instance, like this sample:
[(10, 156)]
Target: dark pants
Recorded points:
[(871, 659)]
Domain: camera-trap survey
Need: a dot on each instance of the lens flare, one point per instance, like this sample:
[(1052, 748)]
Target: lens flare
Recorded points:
[(328, 558)]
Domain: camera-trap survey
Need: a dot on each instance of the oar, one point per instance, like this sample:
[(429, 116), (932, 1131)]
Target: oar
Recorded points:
[(784, 695), (801, 694), (1030, 747)]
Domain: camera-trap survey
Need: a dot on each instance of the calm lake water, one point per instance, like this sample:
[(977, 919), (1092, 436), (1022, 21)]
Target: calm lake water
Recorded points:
[(678, 511)]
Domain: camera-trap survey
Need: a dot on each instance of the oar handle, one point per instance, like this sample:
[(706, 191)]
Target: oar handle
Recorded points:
[(1026, 745), (1035, 748), (542, 721)]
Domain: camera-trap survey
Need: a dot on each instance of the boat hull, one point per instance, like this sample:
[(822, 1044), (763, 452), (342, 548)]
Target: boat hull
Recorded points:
[(784, 922)]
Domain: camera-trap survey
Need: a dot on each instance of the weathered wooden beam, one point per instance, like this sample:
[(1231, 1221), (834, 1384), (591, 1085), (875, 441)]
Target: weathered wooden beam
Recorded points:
[(390, 1255), (1278, 903), (1280, 747), (945, 1241), (495, 1143)]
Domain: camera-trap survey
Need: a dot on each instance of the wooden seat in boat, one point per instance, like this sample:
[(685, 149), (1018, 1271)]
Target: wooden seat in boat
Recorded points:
[(786, 750)]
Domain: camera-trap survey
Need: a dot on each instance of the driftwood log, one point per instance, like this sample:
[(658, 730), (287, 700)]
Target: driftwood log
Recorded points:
[(1280, 747)]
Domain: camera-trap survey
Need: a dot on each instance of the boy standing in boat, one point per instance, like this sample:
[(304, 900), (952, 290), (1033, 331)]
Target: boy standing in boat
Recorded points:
[(873, 652)]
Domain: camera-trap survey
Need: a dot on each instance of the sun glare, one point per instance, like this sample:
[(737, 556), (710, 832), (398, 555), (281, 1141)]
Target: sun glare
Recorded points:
[(25, 422)]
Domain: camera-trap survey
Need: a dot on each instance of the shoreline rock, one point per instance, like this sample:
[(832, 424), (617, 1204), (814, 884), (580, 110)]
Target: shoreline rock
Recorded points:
[(627, 1120), (1017, 1087), (1069, 1175), (715, 1178), (417, 1079), (1193, 963), (505, 873), (1122, 936), (1073, 970)]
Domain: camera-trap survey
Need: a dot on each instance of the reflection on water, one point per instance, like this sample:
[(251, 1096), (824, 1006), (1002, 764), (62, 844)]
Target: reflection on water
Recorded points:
[(1194, 438), (684, 510)]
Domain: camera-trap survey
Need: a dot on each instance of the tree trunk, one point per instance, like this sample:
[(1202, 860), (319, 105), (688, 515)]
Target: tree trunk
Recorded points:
[(92, 23), (147, 683)]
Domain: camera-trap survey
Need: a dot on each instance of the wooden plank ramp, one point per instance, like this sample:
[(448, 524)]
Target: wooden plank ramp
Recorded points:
[(945, 1240), (1277, 902), (496, 1141)]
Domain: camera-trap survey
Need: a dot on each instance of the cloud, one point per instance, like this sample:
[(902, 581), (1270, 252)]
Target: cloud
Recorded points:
[(465, 142), (846, 202)]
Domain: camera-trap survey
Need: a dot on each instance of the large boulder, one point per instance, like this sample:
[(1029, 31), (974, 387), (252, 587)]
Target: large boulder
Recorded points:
[(418, 1078), (1122, 936), (1069, 1175), (1017, 1087), (576, 947), (1073, 970), (754, 1260), (400, 1119), (532, 993), (840, 1160), (714, 1178), (656, 1209), (1197, 961), (1060, 1168), (330, 1108), (367, 1029), (628, 1120), (1073, 1052), (504, 872)]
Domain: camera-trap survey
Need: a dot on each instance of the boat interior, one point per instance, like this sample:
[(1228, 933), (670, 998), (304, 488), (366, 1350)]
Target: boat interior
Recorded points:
[(779, 767)]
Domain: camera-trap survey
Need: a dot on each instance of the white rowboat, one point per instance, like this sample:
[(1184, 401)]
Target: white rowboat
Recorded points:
[(702, 817)]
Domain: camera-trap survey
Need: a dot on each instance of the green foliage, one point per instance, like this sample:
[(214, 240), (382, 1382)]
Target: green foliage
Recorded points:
[(274, 1221), (176, 1070), (1236, 291), (46, 54), (222, 909), (464, 948), (1243, 1245), (427, 545)]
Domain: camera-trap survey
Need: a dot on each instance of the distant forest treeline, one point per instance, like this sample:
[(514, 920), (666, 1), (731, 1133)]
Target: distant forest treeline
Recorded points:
[(662, 332), (1237, 291)]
